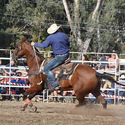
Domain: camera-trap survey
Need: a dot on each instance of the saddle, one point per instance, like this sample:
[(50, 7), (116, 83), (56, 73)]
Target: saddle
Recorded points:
[(65, 69)]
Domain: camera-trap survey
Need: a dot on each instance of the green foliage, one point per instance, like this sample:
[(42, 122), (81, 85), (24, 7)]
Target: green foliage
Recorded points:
[(34, 16), (6, 40), (110, 26)]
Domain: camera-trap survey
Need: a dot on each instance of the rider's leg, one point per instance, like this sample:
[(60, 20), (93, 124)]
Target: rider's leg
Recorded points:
[(51, 79), (57, 60)]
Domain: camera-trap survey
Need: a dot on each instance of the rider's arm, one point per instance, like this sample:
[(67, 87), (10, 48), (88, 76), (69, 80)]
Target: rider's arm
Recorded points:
[(44, 44)]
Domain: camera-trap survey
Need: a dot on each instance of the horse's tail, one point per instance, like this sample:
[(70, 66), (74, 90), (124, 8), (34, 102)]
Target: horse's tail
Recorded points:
[(107, 77)]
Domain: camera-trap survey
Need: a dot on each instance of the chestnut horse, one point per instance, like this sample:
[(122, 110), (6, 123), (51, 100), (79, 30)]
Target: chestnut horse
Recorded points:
[(84, 79)]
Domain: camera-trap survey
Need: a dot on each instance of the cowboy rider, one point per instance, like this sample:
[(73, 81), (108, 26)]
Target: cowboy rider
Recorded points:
[(60, 44)]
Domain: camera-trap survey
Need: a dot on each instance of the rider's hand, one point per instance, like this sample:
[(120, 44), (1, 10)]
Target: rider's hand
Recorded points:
[(32, 43)]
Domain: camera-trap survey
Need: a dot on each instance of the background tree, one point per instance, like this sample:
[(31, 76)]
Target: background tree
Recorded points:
[(100, 22)]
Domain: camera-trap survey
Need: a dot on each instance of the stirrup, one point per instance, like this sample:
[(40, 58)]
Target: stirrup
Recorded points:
[(39, 83), (61, 74), (57, 88)]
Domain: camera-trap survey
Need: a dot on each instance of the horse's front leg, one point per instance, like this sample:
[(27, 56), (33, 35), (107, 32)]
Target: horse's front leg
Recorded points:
[(28, 95), (28, 102)]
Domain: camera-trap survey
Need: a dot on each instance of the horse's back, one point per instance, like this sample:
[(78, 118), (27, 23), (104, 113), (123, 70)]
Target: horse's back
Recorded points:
[(85, 71)]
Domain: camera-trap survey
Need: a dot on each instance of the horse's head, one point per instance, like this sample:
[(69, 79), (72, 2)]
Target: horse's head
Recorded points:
[(24, 48), (20, 50)]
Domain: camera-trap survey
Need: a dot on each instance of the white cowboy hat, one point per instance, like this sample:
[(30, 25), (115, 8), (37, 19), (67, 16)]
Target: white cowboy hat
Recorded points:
[(122, 77), (23, 71), (53, 28)]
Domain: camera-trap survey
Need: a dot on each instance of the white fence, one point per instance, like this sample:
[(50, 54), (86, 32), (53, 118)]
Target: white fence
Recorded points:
[(73, 55)]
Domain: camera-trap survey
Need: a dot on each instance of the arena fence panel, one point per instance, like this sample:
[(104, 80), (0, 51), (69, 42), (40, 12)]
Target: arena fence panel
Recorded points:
[(77, 57)]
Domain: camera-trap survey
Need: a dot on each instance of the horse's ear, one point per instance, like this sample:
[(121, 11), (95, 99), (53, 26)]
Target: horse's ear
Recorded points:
[(23, 39), (26, 37)]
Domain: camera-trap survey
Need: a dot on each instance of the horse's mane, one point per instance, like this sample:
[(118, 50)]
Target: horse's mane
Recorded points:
[(26, 39)]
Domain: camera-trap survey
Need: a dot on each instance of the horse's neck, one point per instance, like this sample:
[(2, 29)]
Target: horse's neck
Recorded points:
[(33, 62), (33, 59)]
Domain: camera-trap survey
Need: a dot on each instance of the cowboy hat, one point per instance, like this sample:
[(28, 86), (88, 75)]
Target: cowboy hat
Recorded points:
[(22, 71), (122, 77), (53, 28)]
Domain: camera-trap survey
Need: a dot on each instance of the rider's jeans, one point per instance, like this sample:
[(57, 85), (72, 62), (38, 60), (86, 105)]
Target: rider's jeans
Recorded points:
[(57, 60)]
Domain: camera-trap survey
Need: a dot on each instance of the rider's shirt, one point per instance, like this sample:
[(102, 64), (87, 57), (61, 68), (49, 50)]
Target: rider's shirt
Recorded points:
[(59, 42)]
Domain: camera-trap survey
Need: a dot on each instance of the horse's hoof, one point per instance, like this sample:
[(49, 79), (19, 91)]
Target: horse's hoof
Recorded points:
[(78, 105), (105, 106), (73, 108), (22, 109), (34, 108)]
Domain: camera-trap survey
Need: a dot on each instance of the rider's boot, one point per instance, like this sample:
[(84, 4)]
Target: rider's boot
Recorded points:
[(52, 89)]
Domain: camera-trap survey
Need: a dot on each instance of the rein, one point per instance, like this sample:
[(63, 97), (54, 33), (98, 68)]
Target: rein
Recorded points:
[(37, 66), (36, 57)]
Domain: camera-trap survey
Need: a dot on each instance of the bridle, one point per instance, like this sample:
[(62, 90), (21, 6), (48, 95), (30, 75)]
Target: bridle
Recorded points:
[(19, 48)]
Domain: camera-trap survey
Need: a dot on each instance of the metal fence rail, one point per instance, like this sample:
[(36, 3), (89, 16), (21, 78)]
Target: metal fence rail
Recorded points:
[(45, 94)]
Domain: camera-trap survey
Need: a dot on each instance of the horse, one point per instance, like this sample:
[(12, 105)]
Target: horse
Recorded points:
[(84, 79)]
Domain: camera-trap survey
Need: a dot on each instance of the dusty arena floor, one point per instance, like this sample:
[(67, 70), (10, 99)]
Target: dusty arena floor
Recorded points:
[(61, 114)]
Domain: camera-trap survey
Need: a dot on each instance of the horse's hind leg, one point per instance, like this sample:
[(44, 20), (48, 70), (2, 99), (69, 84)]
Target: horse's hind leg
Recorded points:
[(98, 95), (80, 98)]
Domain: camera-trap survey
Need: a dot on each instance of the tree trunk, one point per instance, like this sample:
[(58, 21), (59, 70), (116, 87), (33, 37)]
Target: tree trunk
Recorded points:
[(94, 21), (68, 14), (76, 28)]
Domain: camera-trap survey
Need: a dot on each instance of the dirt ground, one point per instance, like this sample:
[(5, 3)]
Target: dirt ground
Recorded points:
[(61, 114)]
